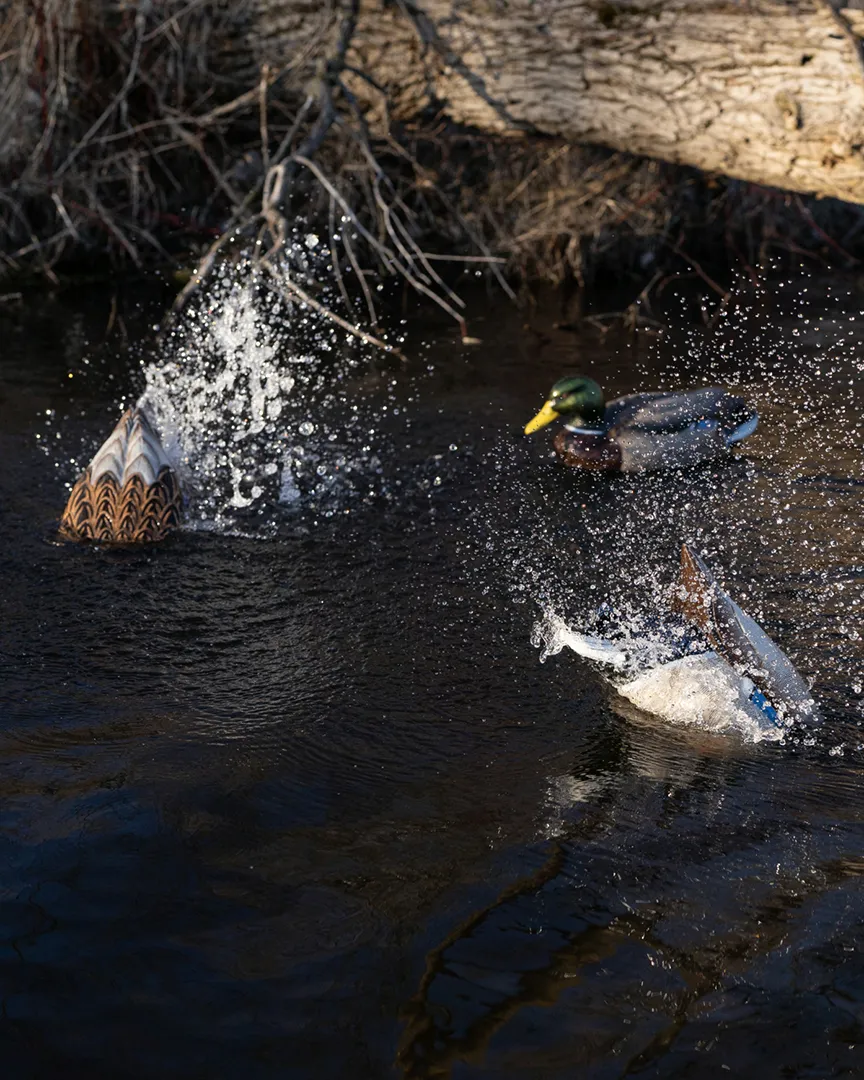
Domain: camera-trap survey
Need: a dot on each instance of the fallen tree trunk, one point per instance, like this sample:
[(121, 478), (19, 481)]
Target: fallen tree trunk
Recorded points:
[(771, 93), (502, 133)]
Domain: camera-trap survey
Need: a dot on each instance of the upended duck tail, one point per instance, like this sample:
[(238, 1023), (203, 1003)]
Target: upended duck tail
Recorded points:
[(739, 639), (129, 493)]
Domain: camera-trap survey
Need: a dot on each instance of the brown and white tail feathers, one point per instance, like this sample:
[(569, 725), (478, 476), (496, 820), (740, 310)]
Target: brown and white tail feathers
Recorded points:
[(697, 595), (129, 493), (739, 639)]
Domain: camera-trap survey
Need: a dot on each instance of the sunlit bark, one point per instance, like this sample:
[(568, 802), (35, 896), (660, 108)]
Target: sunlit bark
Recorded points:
[(767, 92)]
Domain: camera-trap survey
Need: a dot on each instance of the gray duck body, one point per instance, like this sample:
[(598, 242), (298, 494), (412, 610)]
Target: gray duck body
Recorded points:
[(663, 429)]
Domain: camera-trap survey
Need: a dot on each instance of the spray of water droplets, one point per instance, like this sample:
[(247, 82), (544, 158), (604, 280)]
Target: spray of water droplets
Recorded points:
[(780, 522), (260, 402), (266, 408)]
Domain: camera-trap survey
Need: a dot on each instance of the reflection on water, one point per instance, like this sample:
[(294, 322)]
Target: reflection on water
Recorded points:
[(309, 806)]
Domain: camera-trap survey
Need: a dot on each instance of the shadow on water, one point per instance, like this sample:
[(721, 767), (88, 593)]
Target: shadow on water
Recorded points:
[(291, 795)]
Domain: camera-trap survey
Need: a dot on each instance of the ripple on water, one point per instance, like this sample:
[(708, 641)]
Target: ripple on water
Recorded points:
[(328, 769)]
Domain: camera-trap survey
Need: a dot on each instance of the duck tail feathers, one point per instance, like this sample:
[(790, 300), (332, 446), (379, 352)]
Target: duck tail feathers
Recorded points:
[(738, 638), (129, 493), (696, 594)]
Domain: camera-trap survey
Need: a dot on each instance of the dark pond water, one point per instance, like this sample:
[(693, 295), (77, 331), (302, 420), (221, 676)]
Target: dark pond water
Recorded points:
[(295, 797)]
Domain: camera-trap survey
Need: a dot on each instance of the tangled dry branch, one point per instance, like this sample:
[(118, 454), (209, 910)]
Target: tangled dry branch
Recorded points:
[(140, 128)]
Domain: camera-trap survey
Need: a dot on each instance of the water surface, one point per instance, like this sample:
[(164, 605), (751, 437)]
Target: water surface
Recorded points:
[(291, 795)]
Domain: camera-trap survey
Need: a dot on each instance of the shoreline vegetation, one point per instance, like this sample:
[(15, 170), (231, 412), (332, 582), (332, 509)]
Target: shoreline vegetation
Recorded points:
[(152, 135)]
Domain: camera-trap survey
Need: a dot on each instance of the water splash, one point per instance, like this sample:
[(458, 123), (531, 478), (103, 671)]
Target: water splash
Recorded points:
[(781, 518), (217, 396), (551, 635), (259, 402), (697, 689)]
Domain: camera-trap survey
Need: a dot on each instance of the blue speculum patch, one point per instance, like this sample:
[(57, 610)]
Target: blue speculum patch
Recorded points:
[(761, 702)]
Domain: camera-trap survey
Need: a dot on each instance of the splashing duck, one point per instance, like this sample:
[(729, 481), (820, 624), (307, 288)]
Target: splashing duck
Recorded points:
[(709, 663), (129, 493), (643, 431)]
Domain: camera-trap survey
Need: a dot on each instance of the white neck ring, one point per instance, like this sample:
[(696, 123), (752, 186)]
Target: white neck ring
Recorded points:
[(584, 430)]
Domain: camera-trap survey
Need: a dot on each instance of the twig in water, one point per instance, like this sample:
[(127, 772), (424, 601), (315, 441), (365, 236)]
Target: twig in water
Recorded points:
[(361, 277), (112, 315), (334, 258), (262, 116), (702, 274), (284, 282), (389, 256)]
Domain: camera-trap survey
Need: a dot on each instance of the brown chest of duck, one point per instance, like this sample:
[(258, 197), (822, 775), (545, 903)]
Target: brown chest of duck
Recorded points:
[(638, 432), (129, 493)]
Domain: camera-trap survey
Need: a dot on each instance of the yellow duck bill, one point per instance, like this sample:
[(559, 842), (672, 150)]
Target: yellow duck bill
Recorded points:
[(546, 415)]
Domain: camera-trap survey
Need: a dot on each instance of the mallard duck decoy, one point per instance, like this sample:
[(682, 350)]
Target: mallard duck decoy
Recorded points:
[(707, 662), (643, 431), (129, 493)]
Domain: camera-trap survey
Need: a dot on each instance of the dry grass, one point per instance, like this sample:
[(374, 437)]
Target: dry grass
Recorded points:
[(117, 134), (141, 131)]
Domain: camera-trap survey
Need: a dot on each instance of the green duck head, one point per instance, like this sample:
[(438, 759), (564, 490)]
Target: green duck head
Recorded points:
[(576, 399)]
